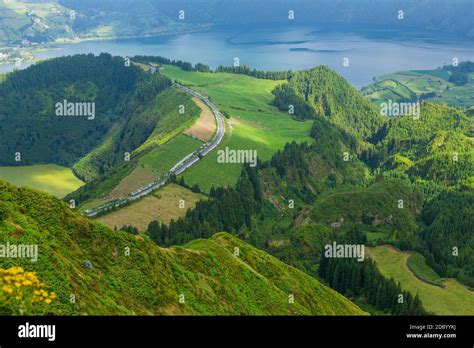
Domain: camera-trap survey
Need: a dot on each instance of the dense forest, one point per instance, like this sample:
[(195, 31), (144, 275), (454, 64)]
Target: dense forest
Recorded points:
[(320, 91), (433, 151), (28, 99), (449, 235)]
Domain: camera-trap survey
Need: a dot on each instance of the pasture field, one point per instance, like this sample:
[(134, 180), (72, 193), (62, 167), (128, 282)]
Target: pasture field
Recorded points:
[(53, 179), (163, 158), (253, 123), (408, 85), (139, 177), (451, 298), (162, 205)]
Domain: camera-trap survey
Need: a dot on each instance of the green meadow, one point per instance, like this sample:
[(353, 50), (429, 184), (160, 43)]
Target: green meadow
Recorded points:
[(163, 158), (449, 297), (408, 85), (51, 178), (252, 123)]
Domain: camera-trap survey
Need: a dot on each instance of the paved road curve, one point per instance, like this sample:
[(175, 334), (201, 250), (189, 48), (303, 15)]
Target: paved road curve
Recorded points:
[(187, 162)]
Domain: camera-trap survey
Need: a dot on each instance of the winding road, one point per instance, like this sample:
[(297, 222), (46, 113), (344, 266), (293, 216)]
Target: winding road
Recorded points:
[(185, 163)]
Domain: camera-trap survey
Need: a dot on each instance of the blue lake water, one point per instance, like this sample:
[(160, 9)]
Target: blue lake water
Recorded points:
[(370, 52)]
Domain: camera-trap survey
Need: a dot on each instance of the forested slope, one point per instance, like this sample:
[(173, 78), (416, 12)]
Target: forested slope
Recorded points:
[(28, 106)]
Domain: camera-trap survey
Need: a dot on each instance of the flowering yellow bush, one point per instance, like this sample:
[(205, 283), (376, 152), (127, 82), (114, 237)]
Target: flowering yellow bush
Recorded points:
[(22, 293)]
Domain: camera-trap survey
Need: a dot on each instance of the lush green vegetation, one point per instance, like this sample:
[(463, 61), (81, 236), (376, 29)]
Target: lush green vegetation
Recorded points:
[(460, 73), (157, 147), (452, 85), (363, 280), (449, 235), (452, 298), (28, 97), (333, 167), (171, 122), (245, 70), (417, 264), (253, 123), (433, 151), (321, 92), (123, 274), (164, 158), (387, 207), (56, 180), (332, 192)]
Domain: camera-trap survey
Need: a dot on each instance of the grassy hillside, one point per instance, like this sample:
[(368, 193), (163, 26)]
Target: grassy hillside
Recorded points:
[(451, 298), (252, 124), (84, 258), (151, 125), (432, 85), (47, 21), (153, 138)]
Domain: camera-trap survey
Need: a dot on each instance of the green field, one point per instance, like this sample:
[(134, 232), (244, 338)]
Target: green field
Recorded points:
[(451, 298), (51, 178), (162, 205), (254, 124), (165, 157), (409, 85)]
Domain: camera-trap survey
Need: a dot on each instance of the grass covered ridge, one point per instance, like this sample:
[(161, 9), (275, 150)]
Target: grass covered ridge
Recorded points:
[(150, 279)]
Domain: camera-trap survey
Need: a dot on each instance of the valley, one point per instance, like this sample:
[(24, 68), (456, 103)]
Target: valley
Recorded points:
[(192, 172), (333, 169)]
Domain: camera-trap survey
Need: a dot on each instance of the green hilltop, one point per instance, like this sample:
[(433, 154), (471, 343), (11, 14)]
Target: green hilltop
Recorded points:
[(435, 150), (320, 91)]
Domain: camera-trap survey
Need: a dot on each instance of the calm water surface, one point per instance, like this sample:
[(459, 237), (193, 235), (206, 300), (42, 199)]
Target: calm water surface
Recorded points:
[(370, 52)]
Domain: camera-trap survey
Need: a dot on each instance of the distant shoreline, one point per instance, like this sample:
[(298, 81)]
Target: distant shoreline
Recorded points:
[(53, 45)]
